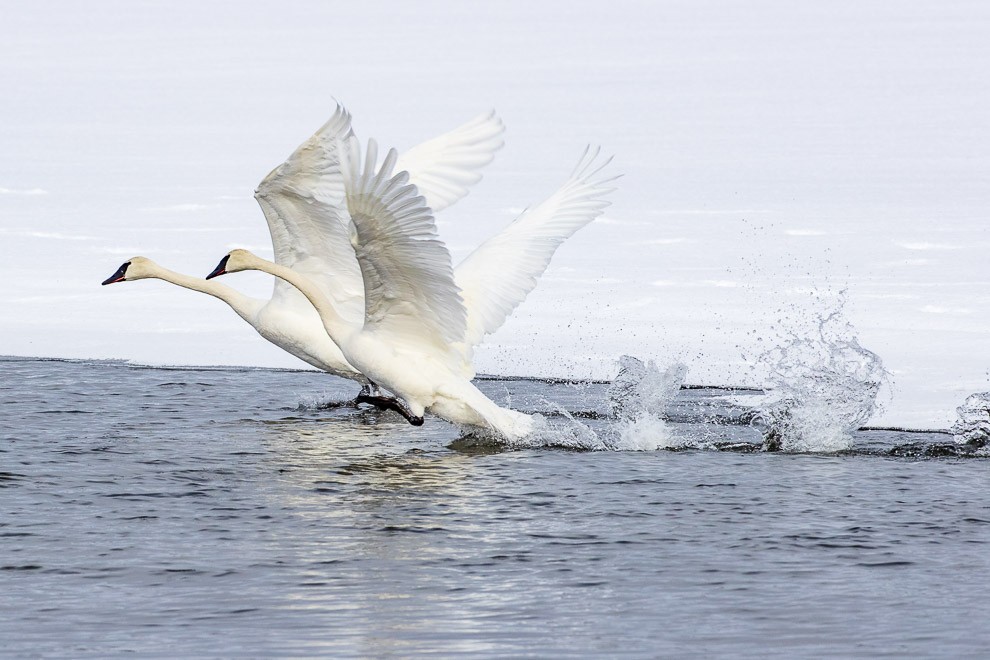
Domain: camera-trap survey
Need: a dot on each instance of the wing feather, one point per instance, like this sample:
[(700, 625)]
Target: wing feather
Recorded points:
[(409, 286), (303, 200), (502, 271), (444, 168)]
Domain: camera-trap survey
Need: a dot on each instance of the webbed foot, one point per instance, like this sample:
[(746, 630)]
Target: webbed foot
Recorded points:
[(382, 401)]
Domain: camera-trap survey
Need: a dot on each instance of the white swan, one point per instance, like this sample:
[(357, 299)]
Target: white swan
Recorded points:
[(303, 197), (412, 336), (293, 197)]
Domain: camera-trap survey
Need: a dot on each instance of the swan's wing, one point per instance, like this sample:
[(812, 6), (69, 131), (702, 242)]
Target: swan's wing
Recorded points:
[(303, 200), (500, 273), (409, 288), (445, 167)]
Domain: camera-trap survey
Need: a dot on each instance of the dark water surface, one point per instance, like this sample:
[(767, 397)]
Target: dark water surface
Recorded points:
[(209, 512)]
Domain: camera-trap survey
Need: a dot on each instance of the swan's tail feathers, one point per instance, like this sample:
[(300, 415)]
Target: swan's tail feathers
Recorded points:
[(445, 168), (520, 254), (469, 405), (509, 425)]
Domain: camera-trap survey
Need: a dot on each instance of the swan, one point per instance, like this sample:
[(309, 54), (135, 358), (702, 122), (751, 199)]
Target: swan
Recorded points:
[(300, 197), (417, 333), (442, 168)]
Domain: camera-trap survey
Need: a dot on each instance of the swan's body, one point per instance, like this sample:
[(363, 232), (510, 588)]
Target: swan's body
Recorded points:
[(421, 369)]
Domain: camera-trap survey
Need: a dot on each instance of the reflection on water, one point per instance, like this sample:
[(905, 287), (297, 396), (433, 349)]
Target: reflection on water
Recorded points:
[(322, 452)]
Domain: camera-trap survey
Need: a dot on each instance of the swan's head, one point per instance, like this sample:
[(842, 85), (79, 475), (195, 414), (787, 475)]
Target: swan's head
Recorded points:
[(136, 268), (235, 261)]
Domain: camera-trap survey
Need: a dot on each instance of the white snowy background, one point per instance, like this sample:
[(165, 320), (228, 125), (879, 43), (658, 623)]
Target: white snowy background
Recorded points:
[(770, 150)]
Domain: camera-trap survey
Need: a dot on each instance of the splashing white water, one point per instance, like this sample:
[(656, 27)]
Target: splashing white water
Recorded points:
[(646, 432), (973, 425), (566, 433), (322, 401), (638, 399), (563, 433), (824, 386)]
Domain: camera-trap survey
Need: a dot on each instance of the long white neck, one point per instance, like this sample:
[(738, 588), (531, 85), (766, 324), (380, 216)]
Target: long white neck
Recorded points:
[(336, 326), (245, 306)]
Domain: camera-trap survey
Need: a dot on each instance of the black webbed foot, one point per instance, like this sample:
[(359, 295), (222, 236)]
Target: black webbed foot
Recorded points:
[(369, 399), (384, 402)]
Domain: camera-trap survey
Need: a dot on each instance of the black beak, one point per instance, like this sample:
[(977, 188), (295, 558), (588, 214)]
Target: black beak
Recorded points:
[(221, 268), (118, 276)]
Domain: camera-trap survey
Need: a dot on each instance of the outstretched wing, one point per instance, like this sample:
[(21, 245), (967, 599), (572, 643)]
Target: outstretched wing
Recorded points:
[(303, 200), (445, 167), (501, 272), (409, 288)]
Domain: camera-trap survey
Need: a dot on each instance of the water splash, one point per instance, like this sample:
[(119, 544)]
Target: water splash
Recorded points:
[(973, 425), (325, 400), (646, 432), (824, 386), (638, 399), (640, 387), (563, 432), (637, 402)]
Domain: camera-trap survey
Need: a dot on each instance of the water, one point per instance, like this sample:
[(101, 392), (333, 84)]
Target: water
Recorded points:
[(823, 384), (972, 427), (236, 512)]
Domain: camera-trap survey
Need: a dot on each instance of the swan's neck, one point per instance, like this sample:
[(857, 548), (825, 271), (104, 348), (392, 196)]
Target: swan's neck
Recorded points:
[(336, 326), (245, 306)]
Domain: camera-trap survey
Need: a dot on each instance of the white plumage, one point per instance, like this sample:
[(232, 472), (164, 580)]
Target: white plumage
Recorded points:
[(302, 202), (502, 271), (360, 242), (411, 339)]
